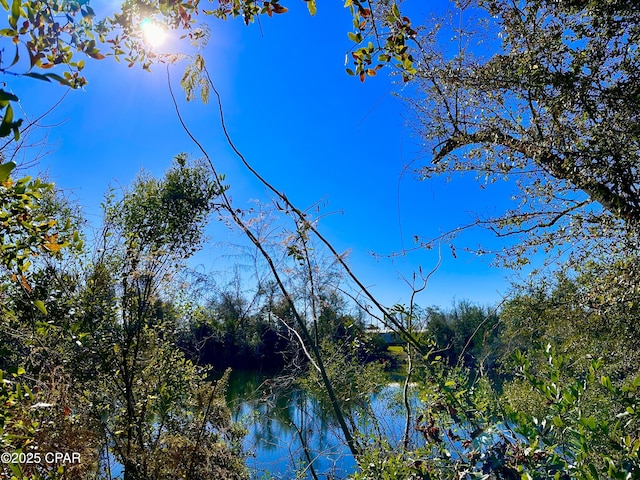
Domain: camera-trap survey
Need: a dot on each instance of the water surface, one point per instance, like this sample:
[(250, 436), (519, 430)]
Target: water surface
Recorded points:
[(281, 421)]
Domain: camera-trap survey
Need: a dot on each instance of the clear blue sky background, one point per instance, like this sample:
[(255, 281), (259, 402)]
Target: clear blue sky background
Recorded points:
[(315, 132)]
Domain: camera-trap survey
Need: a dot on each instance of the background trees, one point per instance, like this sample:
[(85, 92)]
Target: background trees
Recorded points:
[(466, 335)]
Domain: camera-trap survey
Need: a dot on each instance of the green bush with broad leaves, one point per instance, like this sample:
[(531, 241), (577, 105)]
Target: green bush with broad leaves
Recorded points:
[(583, 428)]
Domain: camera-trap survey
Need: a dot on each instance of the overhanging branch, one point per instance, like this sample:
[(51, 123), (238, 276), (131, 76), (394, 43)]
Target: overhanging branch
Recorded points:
[(555, 165)]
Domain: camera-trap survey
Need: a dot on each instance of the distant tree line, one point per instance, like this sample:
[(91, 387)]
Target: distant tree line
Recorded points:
[(229, 332)]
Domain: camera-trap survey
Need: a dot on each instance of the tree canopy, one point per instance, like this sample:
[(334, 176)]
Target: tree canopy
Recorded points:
[(544, 93)]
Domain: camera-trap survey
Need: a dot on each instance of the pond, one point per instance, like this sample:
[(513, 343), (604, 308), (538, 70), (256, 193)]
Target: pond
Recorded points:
[(283, 421)]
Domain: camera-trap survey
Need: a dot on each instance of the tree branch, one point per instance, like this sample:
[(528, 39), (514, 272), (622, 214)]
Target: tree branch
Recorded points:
[(559, 167)]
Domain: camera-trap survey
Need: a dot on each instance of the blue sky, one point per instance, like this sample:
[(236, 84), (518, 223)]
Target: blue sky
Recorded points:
[(316, 133)]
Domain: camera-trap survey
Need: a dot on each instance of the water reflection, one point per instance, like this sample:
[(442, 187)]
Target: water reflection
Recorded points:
[(283, 421)]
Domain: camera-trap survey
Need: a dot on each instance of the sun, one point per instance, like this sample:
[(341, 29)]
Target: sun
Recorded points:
[(153, 33)]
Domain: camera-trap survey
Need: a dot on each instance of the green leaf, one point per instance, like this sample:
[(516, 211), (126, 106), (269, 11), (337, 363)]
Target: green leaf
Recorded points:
[(16, 58), (40, 305), (39, 76), (15, 13), (28, 391), (395, 11), (7, 97), (57, 77), (164, 7), (17, 471), (7, 122), (589, 422), (5, 170)]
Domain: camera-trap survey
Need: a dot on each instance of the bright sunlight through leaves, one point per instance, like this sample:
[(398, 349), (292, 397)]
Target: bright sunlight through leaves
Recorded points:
[(154, 34)]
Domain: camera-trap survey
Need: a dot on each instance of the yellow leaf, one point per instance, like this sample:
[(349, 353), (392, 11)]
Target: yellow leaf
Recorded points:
[(53, 247), (311, 5), (51, 243)]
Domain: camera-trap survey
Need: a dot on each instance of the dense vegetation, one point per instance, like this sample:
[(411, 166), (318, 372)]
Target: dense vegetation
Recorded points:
[(231, 331), (90, 348), (102, 356)]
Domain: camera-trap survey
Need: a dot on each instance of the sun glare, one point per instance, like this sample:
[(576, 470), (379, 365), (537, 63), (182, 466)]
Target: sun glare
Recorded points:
[(153, 33)]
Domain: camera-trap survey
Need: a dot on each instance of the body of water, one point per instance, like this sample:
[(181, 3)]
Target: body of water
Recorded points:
[(290, 428)]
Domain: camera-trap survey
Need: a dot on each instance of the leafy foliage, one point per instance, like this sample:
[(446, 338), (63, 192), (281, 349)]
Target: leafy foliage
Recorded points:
[(589, 427), (47, 34), (551, 106), (102, 356), (465, 335), (582, 429), (354, 381), (165, 217), (51, 34), (578, 318), (25, 230), (158, 414)]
